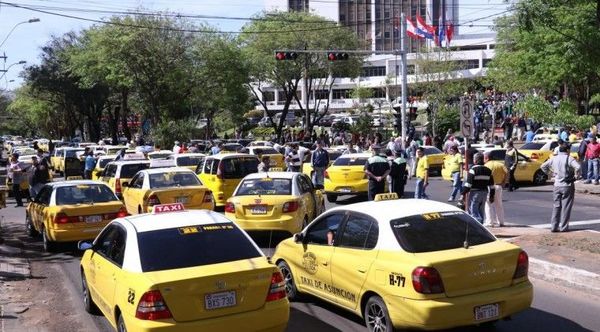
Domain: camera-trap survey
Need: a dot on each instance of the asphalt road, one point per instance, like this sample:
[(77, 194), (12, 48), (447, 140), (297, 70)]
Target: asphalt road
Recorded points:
[(554, 308)]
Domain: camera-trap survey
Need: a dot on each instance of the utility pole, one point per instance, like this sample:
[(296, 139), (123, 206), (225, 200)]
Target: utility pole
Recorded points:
[(305, 95), (404, 79)]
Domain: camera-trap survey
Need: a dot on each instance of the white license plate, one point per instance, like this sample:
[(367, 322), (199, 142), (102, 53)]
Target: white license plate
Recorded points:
[(219, 300), (182, 199), (259, 209), (487, 311), (345, 190), (93, 219)]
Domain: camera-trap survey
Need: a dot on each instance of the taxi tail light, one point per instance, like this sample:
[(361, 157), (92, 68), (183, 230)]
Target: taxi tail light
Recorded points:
[(207, 197), (277, 289), (522, 265), (326, 175), (290, 206), (534, 156), (117, 186), (427, 280), (122, 213), (230, 208), (62, 218), (152, 306), (153, 200)]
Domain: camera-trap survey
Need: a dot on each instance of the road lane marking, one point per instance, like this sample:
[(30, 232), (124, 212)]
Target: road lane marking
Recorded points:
[(571, 223)]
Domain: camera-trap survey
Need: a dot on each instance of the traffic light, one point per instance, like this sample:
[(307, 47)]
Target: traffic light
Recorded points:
[(286, 55), (334, 56)]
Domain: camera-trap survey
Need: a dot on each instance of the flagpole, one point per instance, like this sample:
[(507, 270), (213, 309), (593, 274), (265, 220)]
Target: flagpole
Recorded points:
[(404, 80)]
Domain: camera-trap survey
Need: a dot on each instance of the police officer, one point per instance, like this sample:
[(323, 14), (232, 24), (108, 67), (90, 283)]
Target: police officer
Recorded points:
[(377, 169), (294, 159), (398, 173), (480, 183)]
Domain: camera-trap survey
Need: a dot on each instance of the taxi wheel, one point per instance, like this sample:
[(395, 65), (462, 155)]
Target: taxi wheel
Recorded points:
[(331, 198), (88, 302), (377, 317), (540, 178), (49, 246), (31, 232), (121, 324), (290, 285)]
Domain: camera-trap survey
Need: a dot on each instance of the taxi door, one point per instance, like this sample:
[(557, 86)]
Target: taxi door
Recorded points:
[(313, 264), (308, 199), (40, 206), (105, 266), (525, 170), (208, 174), (352, 258), (133, 194)]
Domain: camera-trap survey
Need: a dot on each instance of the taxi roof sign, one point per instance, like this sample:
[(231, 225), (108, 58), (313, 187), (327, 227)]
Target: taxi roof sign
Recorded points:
[(163, 208), (385, 197)]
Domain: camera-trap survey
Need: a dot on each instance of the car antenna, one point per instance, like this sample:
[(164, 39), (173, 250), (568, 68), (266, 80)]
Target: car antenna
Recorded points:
[(466, 243)]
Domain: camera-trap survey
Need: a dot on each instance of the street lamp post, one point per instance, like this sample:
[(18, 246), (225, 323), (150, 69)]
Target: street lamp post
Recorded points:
[(33, 20), (4, 71)]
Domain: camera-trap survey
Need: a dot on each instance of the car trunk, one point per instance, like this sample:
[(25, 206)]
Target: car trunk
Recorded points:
[(476, 269), (90, 215), (346, 174), (265, 207), (243, 284), (192, 195)]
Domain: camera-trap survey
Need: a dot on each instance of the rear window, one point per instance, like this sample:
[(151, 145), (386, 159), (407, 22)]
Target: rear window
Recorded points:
[(438, 231), (532, 146), (72, 153), (103, 162), (84, 194), (173, 179), (159, 155), (193, 246), (232, 147), (189, 161), (350, 162), (128, 171), (264, 151), (333, 155), (238, 168), (266, 186)]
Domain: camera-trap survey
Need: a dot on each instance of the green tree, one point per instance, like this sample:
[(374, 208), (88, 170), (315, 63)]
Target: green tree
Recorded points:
[(299, 31)]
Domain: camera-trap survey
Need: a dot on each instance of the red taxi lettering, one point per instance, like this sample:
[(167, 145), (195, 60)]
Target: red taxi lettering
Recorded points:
[(168, 208)]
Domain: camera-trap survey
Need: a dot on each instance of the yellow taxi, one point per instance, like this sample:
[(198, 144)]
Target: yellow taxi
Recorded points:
[(276, 159), (435, 158), (117, 172), (333, 155), (407, 264), (211, 277), (59, 161), (71, 211), (346, 176), (528, 170), (221, 173), (187, 160), (275, 201), (539, 151), (160, 154), (100, 165), (157, 186), (55, 159)]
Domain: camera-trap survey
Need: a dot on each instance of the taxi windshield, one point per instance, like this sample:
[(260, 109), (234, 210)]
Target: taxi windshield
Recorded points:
[(350, 161), (265, 186), (84, 194), (173, 179), (129, 170), (193, 246), (438, 231)]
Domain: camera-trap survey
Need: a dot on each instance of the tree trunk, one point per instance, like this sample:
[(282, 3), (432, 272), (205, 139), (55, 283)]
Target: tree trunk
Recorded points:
[(125, 113)]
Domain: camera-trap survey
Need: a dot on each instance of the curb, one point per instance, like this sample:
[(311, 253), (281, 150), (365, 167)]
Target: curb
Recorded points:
[(544, 270)]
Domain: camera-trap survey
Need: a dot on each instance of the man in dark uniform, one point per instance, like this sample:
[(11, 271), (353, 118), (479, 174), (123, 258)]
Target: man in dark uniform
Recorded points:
[(377, 169), (398, 173), (480, 184)]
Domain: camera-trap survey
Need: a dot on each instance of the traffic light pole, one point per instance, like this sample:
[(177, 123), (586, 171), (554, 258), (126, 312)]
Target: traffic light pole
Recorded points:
[(404, 80), (305, 98)]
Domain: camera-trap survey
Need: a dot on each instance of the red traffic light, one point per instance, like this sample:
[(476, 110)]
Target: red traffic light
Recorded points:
[(286, 55), (333, 56)]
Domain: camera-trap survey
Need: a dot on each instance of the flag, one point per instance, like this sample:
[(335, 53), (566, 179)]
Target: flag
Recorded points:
[(441, 32), (449, 33), (412, 30), (424, 29)]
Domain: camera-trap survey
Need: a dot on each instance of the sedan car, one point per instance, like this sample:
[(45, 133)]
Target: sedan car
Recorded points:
[(71, 211), (528, 170), (157, 186), (181, 271), (406, 264), (435, 158), (346, 176), (276, 201)]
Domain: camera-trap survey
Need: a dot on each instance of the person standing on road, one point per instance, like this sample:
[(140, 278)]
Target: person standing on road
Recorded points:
[(16, 174), (40, 176), (592, 155), (293, 159), (511, 160), (422, 174), (398, 173), (177, 147), (455, 165), (581, 154), (264, 164), (90, 164), (377, 169), (564, 168), (494, 211), (480, 184), (319, 162), (350, 148)]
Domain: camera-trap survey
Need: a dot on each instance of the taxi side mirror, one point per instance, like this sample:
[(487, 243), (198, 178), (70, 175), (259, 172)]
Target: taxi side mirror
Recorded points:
[(299, 237), (84, 245)]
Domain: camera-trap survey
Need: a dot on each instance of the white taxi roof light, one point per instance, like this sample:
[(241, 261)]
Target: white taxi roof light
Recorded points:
[(159, 163), (164, 208)]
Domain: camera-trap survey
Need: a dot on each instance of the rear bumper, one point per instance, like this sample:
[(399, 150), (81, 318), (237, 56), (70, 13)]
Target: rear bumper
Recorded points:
[(287, 223), (354, 188), (70, 235), (273, 317), (447, 313)]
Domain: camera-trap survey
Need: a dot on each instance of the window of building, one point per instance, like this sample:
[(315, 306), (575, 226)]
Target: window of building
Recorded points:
[(269, 96), (374, 71), (342, 94), (486, 62)]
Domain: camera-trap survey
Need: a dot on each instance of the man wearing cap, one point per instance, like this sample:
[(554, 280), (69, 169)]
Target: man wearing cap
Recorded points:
[(480, 184), (319, 162), (377, 169), (564, 168)]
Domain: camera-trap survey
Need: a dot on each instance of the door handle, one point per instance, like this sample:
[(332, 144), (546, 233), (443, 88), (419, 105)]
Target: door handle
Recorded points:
[(362, 270), (325, 263)]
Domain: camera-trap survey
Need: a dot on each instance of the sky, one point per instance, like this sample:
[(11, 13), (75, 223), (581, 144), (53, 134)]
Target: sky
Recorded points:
[(25, 41)]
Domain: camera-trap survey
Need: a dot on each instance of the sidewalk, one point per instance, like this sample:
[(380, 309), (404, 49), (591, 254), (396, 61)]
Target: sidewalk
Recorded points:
[(583, 188), (570, 258)]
